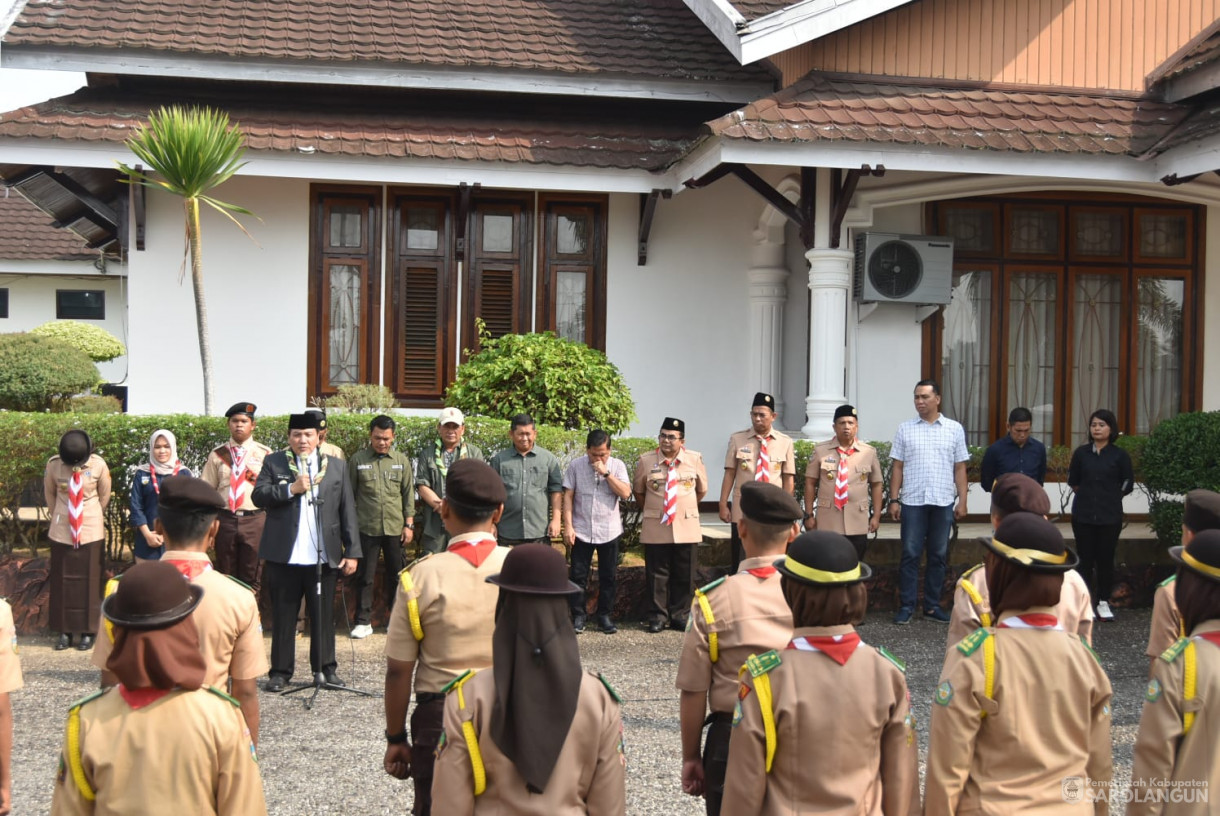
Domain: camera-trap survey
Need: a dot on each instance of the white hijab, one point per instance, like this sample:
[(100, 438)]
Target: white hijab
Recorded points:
[(154, 466)]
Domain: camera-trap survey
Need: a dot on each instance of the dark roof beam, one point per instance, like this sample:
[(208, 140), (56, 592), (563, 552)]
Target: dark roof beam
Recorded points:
[(648, 209), (101, 210)]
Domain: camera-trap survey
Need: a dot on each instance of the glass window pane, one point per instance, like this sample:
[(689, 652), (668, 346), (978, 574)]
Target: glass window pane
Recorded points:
[(1031, 348), (344, 340), (1158, 385), (571, 234), (1098, 234), (966, 355), (346, 225), (423, 227), (1096, 330), (1162, 236), (571, 300), (497, 233), (80, 304), (972, 228), (1034, 231)]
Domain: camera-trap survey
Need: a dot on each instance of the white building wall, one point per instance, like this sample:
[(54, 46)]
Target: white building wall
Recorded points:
[(1211, 311), (31, 299)]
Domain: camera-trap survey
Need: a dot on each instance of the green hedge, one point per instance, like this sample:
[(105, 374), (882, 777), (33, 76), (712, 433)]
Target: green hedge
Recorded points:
[(1187, 450)]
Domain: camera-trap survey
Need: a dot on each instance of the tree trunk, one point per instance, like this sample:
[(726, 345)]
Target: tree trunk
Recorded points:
[(194, 239)]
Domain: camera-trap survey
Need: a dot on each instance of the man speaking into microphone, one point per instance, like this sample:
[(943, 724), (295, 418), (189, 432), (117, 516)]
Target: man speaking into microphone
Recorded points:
[(311, 518)]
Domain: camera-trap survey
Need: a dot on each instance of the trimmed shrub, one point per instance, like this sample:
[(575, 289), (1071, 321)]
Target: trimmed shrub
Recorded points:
[(99, 344), (1187, 450), (374, 399), (94, 404), (37, 372)]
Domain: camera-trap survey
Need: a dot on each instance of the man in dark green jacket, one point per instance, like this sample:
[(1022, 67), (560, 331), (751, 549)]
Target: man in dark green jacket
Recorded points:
[(383, 483), (434, 463)]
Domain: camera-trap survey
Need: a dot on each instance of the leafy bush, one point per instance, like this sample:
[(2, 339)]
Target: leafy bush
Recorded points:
[(557, 381), (1187, 450), (94, 404), (36, 372), (99, 344), (368, 398)]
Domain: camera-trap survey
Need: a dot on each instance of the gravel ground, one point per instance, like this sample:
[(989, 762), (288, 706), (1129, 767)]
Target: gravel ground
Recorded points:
[(328, 760)]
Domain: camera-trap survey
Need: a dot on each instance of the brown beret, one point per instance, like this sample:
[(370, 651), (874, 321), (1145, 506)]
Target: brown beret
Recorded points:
[(188, 494), (1031, 542), (768, 504), (1017, 493), (473, 485), (1202, 511)]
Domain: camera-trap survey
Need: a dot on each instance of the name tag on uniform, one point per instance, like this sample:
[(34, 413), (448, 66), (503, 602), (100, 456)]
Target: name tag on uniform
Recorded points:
[(364, 467), (395, 467)]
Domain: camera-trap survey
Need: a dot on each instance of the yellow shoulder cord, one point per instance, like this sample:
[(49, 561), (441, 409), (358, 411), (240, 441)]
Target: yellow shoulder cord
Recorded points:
[(1191, 682), (74, 756), (988, 671), (977, 599), (713, 640), (762, 685), (472, 740), (111, 586), (408, 586)]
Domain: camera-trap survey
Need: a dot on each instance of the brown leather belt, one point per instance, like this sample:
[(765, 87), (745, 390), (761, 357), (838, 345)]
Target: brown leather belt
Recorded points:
[(241, 513)]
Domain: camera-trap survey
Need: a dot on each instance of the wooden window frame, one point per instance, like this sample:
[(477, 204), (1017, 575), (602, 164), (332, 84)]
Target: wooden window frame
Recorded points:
[(551, 263), (479, 261)]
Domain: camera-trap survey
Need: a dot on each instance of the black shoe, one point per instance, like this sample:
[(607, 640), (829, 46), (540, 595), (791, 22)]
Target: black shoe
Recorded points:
[(65, 640), (678, 624), (606, 625), (937, 614), (86, 643), (276, 683), (332, 679), (655, 625), (578, 622)]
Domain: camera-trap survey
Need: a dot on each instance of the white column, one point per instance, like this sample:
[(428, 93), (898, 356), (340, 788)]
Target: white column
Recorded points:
[(768, 294)]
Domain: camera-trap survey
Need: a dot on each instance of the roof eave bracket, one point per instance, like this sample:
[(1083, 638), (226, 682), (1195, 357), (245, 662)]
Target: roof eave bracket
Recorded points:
[(648, 209)]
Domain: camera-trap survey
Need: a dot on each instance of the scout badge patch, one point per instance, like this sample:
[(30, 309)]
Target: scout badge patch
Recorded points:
[(944, 693)]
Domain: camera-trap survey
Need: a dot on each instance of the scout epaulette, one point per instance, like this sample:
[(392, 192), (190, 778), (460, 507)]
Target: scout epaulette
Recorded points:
[(241, 584), (111, 586), (1190, 680), (976, 597), (472, 739), (223, 696), (705, 606), (759, 666), (1092, 651), (610, 688), (408, 586), (1169, 580), (72, 749), (969, 645), (1171, 654), (888, 655), (971, 642)]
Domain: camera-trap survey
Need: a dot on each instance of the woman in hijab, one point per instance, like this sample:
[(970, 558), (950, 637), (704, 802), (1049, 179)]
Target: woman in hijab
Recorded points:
[(159, 742), (146, 489), (76, 487), (535, 734)]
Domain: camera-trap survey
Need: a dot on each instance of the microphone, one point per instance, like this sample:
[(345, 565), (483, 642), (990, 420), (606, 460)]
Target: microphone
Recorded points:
[(305, 465)]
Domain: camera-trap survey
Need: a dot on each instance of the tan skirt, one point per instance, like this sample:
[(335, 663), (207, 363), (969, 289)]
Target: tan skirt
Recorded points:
[(76, 587)]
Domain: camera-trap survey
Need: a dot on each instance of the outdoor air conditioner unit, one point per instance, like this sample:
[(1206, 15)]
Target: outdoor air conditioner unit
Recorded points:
[(903, 268)]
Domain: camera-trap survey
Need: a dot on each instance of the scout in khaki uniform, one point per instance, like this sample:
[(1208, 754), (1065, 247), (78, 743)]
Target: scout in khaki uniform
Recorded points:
[(232, 469), (161, 741), (434, 463), (669, 483), (731, 619), (843, 484), (1176, 768), (507, 748), (759, 453), (10, 680), (1201, 512), (1016, 493), (77, 489), (230, 633), (823, 726), (325, 448), (442, 623), (1022, 706)]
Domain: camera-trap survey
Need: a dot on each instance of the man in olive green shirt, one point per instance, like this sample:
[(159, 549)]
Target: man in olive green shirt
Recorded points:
[(533, 479), (434, 463), (384, 487)]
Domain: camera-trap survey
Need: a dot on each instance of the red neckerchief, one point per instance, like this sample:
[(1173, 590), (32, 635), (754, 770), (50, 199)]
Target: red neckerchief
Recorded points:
[(138, 698), (474, 552), (761, 572), (191, 569), (837, 647), (237, 476), (76, 504), (1211, 637), (1034, 620), (152, 470), (671, 486)]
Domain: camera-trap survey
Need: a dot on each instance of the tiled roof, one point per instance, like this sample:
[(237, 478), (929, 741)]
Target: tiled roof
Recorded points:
[(753, 9), (1203, 50), (1203, 123), (645, 38), (422, 125), (880, 109), (26, 234)]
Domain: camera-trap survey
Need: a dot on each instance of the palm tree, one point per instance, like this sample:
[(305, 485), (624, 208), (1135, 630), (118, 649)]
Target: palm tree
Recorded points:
[(190, 151)]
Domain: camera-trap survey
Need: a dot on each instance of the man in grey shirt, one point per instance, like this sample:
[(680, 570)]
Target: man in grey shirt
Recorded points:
[(592, 488), (533, 479)]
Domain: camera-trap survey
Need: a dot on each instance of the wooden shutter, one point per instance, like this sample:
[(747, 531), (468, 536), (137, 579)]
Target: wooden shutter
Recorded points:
[(498, 284)]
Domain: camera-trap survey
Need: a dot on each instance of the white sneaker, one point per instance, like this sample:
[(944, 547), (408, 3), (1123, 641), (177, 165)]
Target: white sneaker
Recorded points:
[(361, 631), (1103, 611)]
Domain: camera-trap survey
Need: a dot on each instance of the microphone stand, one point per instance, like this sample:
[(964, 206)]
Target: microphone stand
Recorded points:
[(315, 615)]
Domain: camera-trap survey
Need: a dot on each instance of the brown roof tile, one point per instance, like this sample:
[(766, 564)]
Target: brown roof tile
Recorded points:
[(26, 234), (1034, 120), (646, 38)]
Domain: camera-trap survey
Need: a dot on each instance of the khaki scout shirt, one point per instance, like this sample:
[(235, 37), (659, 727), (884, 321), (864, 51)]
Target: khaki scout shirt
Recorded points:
[(864, 471), (457, 611), (589, 776), (1074, 611), (651, 475), (216, 472), (1166, 625), (529, 480), (384, 487), (230, 633), (96, 489), (186, 753), (742, 459), (751, 617), (1167, 764), (329, 449), (10, 666), (845, 739), (1048, 719)]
